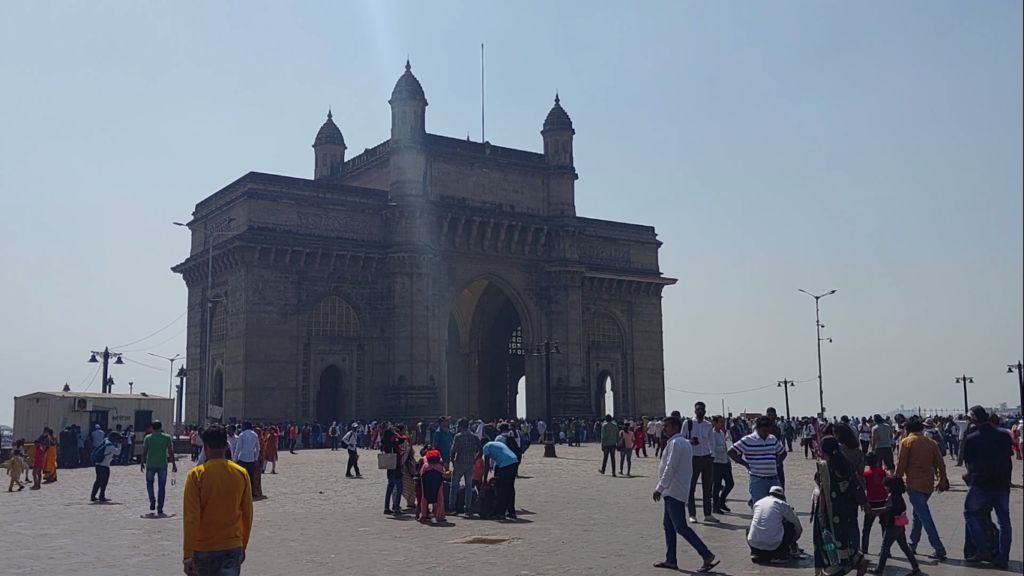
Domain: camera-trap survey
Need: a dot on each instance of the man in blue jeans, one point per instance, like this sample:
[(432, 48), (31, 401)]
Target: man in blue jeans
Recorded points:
[(988, 454), (465, 447), (674, 474), (157, 450), (919, 463)]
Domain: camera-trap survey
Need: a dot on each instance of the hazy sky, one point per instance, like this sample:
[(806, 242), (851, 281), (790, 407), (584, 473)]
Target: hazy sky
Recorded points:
[(871, 148)]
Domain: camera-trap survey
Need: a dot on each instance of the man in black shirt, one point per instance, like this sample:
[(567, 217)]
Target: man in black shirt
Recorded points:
[(988, 454)]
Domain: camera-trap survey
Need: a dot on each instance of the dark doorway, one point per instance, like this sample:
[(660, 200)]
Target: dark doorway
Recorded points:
[(330, 401), (500, 368), (99, 417), (218, 390)]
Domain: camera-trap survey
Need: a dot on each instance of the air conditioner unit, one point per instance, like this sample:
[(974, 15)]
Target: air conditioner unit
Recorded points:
[(82, 405)]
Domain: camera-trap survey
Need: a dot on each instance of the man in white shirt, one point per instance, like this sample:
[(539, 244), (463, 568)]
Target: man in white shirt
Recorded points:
[(351, 442), (659, 427), (248, 450), (774, 528), (701, 434), (674, 473)]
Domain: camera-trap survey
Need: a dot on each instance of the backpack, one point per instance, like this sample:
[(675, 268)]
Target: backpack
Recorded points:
[(99, 452), (513, 445)]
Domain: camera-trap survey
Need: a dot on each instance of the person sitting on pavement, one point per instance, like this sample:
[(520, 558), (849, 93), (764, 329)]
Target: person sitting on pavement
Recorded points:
[(774, 529)]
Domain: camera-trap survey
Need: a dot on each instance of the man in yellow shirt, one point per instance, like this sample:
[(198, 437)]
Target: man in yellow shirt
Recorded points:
[(218, 511), (920, 462)]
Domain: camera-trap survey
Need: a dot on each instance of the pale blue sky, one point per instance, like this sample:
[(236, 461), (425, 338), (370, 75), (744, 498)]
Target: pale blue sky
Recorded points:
[(872, 148)]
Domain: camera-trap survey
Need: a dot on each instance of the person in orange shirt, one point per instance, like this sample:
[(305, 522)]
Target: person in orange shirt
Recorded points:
[(218, 511)]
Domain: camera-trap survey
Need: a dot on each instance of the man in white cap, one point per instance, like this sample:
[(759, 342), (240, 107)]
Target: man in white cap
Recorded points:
[(351, 442), (774, 529)]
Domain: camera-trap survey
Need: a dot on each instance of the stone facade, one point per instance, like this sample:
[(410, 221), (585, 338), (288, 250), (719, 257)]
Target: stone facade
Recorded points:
[(414, 279)]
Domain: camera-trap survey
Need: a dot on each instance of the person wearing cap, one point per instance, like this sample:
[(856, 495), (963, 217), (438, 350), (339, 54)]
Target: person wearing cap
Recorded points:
[(774, 528), (351, 442)]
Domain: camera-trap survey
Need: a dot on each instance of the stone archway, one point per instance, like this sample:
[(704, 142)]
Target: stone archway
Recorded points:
[(605, 391), (486, 353), (330, 397)]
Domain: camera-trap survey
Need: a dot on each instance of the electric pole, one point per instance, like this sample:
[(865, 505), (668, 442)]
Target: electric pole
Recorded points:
[(965, 380), (786, 385)]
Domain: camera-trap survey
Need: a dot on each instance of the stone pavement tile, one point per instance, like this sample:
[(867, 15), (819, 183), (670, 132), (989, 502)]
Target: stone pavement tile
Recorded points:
[(316, 522)]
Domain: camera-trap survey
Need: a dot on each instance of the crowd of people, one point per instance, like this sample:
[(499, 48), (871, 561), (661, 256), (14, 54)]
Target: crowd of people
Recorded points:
[(868, 470)]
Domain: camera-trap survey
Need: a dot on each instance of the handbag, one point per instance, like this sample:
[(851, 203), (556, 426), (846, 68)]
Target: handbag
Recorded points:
[(387, 461), (901, 520)]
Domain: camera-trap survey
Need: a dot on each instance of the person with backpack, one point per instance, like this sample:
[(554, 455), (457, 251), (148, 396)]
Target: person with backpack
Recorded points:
[(609, 439), (101, 458), (334, 432)]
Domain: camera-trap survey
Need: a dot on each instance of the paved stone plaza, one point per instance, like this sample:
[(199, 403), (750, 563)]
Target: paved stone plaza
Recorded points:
[(315, 522)]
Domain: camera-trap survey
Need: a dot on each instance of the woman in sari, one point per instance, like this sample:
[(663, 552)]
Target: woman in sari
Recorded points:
[(272, 445), (50, 461), (837, 496), (407, 463)]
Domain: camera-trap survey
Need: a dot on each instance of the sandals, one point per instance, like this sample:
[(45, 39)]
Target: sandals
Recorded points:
[(708, 565)]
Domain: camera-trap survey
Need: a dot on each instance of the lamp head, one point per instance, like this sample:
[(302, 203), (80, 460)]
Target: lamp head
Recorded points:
[(119, 361), (93, 360)]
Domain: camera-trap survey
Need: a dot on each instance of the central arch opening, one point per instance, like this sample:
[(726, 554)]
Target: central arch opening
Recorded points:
[(486, 354), (606, 394), (329, 397)]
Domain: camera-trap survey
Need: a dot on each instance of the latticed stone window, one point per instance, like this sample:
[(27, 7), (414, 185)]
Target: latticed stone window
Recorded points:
[(333, 317), (515, 343), (604, 331), (219, 325)]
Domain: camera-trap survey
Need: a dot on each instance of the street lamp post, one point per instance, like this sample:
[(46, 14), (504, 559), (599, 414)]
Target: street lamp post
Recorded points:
[(1019, 369), (106, 354), (818, 326), (204, 385), (170, 376), (546, 349), (785, 385), (182, 374), (965, 380)]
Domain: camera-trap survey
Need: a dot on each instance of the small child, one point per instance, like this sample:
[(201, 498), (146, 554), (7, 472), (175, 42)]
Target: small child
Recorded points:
[(894, 524), (16, 466), (432, 487), (874, 485)]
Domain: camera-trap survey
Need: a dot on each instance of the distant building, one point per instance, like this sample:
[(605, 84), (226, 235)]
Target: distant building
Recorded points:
[(414, 279)]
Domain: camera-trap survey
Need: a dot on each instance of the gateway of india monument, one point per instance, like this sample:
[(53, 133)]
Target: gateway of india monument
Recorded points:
[(415, 279)]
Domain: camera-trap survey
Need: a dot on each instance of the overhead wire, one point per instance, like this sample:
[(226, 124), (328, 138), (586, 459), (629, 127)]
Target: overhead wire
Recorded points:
[(143, 364), (175, 335), (717, 393), (154, 333), (92, 375)]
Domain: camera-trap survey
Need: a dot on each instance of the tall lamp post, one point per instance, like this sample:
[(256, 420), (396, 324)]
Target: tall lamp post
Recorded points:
[(546, 349), (786, 385), (818, 326), (106, 354), (170, 376), (965, 380), (182, 374), (208, 236), (1019, 369)]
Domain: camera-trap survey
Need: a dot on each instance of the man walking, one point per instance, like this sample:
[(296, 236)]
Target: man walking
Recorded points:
[(700, 433), (334, 432), (351, 442), (102, 457), (157, 450), (609, 438), (218, 512), (464, 450), (248, 448), (674, 473), (881, 442), (988, 454), (919, 462), (760, 453), (723, 468)]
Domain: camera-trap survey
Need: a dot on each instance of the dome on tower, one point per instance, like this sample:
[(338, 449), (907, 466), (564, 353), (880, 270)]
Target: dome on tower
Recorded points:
[(329, 133), (557, 117), (408, 87)]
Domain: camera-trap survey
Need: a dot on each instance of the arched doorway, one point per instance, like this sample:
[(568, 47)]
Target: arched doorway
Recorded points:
[(606, 394), (330, 400), (486, 353)]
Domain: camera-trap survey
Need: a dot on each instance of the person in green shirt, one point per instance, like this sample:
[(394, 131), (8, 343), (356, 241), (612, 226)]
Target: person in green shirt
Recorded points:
[(157, 450), (609, 439)]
